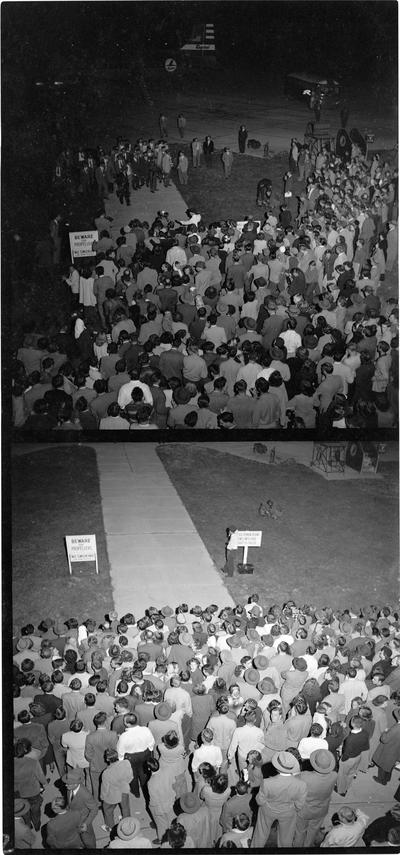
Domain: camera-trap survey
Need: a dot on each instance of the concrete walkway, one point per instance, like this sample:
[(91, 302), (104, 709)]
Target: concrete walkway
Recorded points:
[(144, 206), (156, 555)]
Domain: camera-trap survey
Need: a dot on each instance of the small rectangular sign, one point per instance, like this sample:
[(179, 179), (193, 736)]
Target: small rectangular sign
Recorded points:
[(81, 547), (249, 538), (81, 244)]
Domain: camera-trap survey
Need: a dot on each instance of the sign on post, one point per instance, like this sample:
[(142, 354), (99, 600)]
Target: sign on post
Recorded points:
[(246, 539), (170, 64), (81, 244), (81, 547)]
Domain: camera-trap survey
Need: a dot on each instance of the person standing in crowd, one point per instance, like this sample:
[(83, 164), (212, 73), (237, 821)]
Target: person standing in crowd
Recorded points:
[(242, 138), (163, 125), (208, 150), (181, 123), (196, 152), (231, 551), (227, 161), (182, 167)]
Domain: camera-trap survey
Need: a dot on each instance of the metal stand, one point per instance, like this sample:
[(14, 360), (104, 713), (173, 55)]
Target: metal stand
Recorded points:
[(329, 456)]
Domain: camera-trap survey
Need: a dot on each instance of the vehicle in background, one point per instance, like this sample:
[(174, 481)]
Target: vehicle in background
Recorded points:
[(303, 86)]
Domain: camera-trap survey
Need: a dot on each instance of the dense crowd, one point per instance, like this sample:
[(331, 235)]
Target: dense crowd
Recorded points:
[(281, 322), (226, 721)]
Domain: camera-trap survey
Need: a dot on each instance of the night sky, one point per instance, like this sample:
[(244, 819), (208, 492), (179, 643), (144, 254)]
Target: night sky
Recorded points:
[(346, 39)]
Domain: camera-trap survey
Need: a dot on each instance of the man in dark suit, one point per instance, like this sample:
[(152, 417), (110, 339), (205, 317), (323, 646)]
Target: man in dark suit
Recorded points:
[(49, 701), (96, 744), (101, 179), (62, 832), (208, 149), (81, 802)]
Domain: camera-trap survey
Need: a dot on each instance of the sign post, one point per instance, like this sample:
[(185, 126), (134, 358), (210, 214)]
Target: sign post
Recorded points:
[(81, 547), (246, 539), (81, 244)]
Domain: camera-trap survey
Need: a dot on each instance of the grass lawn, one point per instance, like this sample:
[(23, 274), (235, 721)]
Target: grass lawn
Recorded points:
[(55, 492), (334, 545), (218, 198)]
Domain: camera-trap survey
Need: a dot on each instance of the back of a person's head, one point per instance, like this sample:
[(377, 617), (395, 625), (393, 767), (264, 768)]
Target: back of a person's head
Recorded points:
[(130, 719), (241, 822), (170, 739), (220, 783)]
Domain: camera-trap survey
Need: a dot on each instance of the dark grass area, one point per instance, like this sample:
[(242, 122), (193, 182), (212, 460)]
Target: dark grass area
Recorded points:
[(218, 198), (336, 543), (55, 492)]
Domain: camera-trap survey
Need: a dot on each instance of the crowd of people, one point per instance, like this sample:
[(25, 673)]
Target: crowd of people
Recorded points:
[(226, 721), (279, 322)]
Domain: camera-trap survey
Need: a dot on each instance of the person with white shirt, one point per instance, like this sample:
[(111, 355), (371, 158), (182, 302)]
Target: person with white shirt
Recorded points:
[(291, 338), (208, 752), (177, 697), (176, 253), (245, 739), (353, 688), (231, 548), (313, 742), (136, 742), (124, 394)]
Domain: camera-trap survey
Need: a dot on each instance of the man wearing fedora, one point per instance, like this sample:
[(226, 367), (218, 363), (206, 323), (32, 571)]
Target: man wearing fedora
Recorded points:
[(280, 798), (128, 835), (162, 723), (80, 800), (320, 783), (24, 836), (194, 817)]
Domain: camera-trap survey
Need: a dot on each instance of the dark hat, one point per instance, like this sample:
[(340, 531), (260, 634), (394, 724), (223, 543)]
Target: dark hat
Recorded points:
[(162, 711), (21, 807), (73, 776), (322, 761), (59, 627), (285, 762), (260, 662), (299, 663), (267, 686), (234, 640), (251, 676), (190, 802), (23, 644), (166, 611)]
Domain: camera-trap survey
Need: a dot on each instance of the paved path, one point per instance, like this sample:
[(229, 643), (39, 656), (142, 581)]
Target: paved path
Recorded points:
[(144, 205), (156, 555)]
